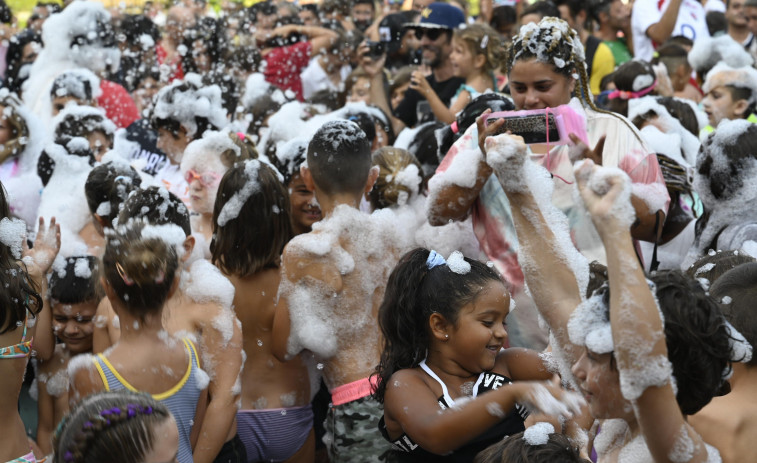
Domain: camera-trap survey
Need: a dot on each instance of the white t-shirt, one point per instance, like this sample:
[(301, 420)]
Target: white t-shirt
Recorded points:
[(691, 23), (314, 78)]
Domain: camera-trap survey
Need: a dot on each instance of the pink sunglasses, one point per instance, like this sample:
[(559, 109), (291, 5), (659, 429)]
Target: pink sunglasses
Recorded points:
[(206, 179)]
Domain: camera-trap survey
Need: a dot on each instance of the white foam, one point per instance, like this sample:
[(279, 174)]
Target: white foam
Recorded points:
[(456, 262), (538, 434)]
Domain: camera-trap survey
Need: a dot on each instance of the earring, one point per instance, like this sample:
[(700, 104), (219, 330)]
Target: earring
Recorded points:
[(446, 336)]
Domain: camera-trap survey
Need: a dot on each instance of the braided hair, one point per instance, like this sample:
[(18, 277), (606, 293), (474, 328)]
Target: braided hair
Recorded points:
[(553, 42), (105, 422)]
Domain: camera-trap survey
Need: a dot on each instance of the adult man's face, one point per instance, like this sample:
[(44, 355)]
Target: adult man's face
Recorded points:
[(308, 17), (734, 13), (750, 13), (436, 46)]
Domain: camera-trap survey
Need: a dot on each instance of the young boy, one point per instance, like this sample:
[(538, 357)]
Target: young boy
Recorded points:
[(332, 283), (74, 294), (305, 210)]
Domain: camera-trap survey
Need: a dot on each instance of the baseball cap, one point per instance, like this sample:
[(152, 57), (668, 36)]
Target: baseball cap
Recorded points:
[(439, 16)]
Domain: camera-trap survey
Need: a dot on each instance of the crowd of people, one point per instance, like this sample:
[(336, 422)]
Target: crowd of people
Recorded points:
[(379, 231)]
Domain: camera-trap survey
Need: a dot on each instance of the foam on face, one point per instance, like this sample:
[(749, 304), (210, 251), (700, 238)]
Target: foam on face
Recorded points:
[(199, 101)]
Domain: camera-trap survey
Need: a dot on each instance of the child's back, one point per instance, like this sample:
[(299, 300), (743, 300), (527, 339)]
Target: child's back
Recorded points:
[(333, 281), (335, 277)]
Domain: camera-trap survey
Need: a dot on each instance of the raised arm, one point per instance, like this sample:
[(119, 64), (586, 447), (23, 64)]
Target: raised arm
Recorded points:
[(660, 32), (38, 261), (637, 327), (556, 273), (455, 186)]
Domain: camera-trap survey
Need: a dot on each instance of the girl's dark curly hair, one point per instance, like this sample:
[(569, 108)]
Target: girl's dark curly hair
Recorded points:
[(412, 294)]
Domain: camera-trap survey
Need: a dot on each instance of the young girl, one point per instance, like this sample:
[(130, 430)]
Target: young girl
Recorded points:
[(203, 165), (275, 420), (140, 273), (74, 292), (444, 378), (22, 307), (141, 427), (477, 51)]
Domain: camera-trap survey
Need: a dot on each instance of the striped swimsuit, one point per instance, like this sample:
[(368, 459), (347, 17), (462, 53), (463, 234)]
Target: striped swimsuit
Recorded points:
[(181, 399)]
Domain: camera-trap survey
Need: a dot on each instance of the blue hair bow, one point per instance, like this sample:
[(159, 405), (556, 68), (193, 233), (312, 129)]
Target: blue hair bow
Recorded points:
[(434, 260)]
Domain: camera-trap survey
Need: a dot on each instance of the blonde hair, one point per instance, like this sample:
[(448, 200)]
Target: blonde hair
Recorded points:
[(388, 189), (481, 39)]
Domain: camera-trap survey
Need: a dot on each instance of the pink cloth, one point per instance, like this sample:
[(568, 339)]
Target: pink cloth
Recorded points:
[(118, 105)]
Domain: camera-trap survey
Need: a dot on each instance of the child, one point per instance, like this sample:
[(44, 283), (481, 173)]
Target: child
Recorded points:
[(142, 428), (728, 422), (332, 283), (614, 346), (476, 52), (537, 444), (201, 306), (275, 421), (730, 93), (77, 86), (139, 275), (88, 123), (74, 292), (304, 209), (203, 165), (442, 368)]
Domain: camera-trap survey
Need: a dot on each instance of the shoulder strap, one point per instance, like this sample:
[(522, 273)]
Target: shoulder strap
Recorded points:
[(445, 392)]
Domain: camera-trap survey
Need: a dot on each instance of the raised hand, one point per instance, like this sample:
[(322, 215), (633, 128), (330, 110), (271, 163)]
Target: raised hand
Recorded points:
[(606, 192), (549, 398), (419, 83), (507, 155), (40, 258), (580, 151)]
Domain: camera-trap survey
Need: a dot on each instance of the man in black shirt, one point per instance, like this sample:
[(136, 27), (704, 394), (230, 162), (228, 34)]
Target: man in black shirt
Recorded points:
[(434, 31)]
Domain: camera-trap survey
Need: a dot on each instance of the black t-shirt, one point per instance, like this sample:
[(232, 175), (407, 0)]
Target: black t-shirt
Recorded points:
[(414, 109), (141, 133)]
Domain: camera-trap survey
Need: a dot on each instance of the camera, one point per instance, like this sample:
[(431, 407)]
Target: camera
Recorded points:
[(375, 49)]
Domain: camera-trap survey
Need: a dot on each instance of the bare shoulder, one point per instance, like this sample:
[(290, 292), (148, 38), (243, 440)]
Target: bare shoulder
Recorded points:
[(307, 258), (58, 360)]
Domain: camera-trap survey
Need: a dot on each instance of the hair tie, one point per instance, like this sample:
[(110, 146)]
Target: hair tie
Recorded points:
[(241, 136), (434, 260), (655, 54), (121, 177), (626, 95), (453, 127), (122, 273)]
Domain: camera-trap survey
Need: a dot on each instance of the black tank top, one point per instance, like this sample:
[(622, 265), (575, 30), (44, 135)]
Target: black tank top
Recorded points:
[(408, 451)]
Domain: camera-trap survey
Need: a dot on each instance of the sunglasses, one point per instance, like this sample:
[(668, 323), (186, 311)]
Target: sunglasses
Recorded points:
[(206, 179), (432, 34)]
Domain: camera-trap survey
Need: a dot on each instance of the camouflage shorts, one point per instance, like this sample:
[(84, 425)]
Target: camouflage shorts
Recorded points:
[(352, 433)]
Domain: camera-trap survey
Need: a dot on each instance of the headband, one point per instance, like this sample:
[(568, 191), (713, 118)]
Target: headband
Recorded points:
[(626, 95)]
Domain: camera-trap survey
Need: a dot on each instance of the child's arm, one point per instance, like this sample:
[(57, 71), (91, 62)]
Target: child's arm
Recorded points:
[(224, 350), (45, 411), (38, 261), (550, 262), (412, 404), (636, 321), (441, 111)]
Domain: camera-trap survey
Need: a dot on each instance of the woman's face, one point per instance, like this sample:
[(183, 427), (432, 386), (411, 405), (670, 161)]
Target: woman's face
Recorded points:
[(203, 181), (535, 85), (599, 382), (719, 105)]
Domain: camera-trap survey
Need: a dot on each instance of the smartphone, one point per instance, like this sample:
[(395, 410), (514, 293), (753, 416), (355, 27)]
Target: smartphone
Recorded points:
[(534, 128)]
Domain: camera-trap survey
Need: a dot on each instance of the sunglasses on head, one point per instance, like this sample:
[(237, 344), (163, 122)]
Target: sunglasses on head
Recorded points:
[(206, 179), (432, 34)]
